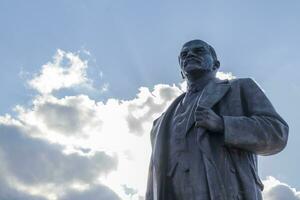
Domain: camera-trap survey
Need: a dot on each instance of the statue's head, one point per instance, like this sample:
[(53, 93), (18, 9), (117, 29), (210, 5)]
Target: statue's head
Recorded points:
[(198, 57)]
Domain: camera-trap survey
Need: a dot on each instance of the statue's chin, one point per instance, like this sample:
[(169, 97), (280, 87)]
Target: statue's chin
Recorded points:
[(195, 69)]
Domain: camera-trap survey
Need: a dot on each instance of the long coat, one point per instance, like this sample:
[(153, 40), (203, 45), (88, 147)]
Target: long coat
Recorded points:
[(251, 127)]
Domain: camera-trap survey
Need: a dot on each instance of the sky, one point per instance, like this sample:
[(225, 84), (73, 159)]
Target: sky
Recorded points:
[(82, 81)]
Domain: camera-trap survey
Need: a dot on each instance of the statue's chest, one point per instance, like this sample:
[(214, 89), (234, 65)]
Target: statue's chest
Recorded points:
[(183, 116)]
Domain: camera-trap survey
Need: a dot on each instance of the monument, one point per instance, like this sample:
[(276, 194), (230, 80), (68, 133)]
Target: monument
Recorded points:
[(205, 145)]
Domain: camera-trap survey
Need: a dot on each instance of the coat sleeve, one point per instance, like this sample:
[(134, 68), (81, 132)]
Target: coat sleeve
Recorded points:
[(261, 130), (149, 190)]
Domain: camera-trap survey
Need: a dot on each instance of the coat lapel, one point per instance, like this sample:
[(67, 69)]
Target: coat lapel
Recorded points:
[(212, 94), (160, 130)]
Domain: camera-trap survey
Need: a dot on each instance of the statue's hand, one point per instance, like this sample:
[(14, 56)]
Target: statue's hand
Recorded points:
[(208, 119)]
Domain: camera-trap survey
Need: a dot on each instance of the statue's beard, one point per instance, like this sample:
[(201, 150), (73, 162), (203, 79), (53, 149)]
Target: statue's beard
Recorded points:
[(195, 70), (191, 69)]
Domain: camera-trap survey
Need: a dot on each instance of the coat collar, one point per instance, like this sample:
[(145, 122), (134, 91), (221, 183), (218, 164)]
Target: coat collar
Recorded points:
[(213, 92)]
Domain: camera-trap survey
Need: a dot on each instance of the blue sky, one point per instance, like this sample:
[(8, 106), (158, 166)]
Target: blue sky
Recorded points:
[(133, 44)]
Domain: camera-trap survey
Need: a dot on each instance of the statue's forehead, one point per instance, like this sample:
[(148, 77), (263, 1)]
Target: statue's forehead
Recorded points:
[(194, 43)]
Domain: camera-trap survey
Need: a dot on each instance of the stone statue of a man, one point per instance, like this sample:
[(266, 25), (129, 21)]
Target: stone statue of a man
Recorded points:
[(205, 145)]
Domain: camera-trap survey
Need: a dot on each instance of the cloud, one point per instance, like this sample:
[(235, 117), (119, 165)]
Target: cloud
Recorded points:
[(43, 162), (129, 191), (225, 75), (70, 116), (77, 140), (79, 126), (29, 162), (7, 192), (66, 70), (148, 105), (96, 192), (104, 88), (276, 190)]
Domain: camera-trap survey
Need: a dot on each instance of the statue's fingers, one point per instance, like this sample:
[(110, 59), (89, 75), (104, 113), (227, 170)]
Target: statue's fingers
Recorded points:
[(201, 123), (202, 112), (200, 117)]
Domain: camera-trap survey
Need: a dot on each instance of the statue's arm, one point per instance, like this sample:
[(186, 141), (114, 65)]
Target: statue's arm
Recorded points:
[(149, 191), (154, 129), (262, 130)]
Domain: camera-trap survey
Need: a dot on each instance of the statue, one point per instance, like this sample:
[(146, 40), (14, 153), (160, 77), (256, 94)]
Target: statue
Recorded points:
[(205, 145)]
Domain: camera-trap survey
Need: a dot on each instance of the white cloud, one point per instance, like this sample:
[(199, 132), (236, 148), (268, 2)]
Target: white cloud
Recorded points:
[(149, 105), (30, 163), (225, 75), (276, 190), (83, 126), (95, 192), (66, 70), (104, 87), (69, 116)]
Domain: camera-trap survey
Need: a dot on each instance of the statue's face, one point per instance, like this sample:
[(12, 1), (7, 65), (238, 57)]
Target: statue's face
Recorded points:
[(195, 56)]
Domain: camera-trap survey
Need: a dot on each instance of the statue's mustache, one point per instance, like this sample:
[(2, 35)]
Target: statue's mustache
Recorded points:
[(193, 59)]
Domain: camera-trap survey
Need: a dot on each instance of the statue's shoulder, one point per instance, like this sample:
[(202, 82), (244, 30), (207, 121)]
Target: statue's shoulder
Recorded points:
[(243, 81), (239, 80), (247, 85)]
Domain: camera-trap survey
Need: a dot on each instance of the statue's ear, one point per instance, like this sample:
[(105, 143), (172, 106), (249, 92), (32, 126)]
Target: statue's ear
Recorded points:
[(217, 64), (182, 75)]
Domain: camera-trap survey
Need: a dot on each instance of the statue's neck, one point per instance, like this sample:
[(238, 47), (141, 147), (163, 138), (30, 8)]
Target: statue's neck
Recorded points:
[(200, 82)]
